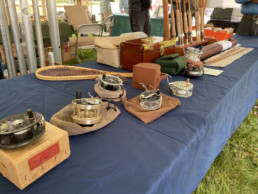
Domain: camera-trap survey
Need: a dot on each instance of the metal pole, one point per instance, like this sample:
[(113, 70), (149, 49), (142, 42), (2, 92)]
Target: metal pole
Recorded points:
[(38, 33), (6, 42), (16, 36), (54, 30), (29, 38)]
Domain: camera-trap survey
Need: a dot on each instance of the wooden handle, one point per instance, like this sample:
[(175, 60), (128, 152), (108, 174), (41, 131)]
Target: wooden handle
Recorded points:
[(185, 23), (166, 20), (202, 18), (181, 22), (197, 21), (173, 23), (190, 21), (178, 26)]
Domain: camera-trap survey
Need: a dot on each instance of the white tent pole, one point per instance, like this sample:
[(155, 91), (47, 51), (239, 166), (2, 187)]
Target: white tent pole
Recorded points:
[(54, 29), (29, 37), (16, 36), (6, 42), (38, 33)]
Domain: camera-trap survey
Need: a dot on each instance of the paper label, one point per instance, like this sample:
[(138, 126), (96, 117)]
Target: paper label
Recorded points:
[(43, 156)]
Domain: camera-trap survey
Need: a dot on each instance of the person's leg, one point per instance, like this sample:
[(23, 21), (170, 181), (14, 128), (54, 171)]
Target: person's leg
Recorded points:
[(147, 26), (255, 27), (136, 20), (140, 21), (245, 27)]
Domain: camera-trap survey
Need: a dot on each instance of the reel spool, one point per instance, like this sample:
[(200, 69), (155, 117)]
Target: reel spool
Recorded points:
[(21, 129), (151, 99), (86, 110), (110, 83), (193, 54)]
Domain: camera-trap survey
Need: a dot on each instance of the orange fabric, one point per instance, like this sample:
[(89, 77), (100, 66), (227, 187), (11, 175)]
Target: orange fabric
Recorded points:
[(133, 106)]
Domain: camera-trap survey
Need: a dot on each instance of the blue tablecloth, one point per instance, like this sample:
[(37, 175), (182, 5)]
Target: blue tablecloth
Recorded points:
[(170, 155)]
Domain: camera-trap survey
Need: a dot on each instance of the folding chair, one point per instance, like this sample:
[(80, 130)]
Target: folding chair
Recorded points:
[(108, 22), (87, 29)]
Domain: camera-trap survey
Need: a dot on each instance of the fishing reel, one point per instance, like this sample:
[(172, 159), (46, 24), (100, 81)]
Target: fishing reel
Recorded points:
[(109, 87), (194, 71), (193, 54), (110, 83), (150, 99), (86, 110), (181, 88), (21, 129)]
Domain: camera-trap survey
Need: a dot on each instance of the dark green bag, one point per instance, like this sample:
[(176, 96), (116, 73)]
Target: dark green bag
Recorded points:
[(171, 64)]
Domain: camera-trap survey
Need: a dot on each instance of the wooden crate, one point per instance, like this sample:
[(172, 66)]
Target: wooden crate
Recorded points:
[(24, 165)]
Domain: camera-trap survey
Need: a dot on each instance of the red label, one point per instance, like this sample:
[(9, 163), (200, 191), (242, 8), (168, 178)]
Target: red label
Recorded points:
[(44, 156), (66, 48)]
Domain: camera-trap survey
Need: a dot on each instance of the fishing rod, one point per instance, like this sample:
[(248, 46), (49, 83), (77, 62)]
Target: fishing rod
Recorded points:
[(190, 22), (202, 18), (178, 23), (197, 20), (173, 22), (185, 24)]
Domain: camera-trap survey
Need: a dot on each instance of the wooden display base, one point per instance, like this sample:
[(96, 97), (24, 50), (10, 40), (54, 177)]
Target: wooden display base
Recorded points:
[(206, 41), (24, 165)]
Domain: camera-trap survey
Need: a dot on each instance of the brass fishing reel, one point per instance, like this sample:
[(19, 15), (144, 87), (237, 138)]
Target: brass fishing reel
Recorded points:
[(86, 110)]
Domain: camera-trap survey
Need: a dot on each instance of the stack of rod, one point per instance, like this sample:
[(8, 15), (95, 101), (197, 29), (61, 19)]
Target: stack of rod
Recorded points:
[(6, 42)]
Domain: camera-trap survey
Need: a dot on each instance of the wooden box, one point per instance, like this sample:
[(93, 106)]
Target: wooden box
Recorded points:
[(144, 50), (24, 165)]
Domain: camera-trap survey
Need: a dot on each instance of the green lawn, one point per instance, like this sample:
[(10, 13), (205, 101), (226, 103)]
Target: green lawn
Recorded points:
[(235, 170)]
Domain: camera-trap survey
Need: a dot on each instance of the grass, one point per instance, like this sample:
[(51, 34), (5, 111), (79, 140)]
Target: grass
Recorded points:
[(235, 170), (89, 55)]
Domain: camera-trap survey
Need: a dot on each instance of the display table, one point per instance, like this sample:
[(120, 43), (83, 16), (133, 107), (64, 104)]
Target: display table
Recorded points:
[(170, 155), (122, 25)]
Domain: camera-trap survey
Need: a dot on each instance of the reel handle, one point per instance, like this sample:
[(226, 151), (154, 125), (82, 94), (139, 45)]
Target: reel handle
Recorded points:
[(78, 94)]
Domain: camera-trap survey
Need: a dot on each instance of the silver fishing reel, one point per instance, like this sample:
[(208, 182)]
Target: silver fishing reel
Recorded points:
[(150, 99), (194, 71), (193, 54), (110, 83), (21, 129)]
